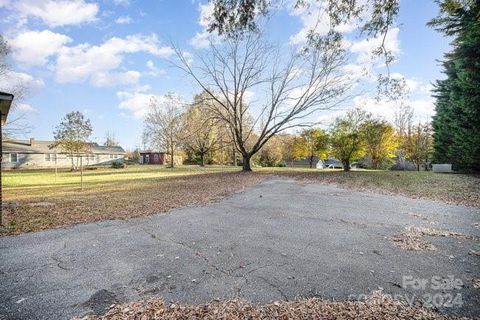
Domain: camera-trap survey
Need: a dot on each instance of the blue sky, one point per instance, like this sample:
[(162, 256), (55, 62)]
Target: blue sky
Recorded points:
[(107, 57)]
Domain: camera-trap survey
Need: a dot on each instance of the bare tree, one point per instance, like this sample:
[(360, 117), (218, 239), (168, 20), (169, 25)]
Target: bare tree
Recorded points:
[(110, 139), (403, 119), (288, 91), (402, 123), (16, 123), (374, 19), (202, 130), (164, 124)]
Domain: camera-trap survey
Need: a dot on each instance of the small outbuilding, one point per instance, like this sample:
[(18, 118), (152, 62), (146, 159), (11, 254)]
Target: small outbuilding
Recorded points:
[(158, 157), (150, 157)]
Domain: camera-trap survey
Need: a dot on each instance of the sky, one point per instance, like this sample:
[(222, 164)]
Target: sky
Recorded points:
[(106, 58)]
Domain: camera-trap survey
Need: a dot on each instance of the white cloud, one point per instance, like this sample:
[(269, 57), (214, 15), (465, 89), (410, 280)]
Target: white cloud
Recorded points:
[(25, 107), (20, 84), (103, 79), (359, 72), (56, 13), (426, 88), (98, 64), (203, 38), (249, 96), (423, 107), (313, 17), (33, 48), (122, 2), (13, 80), (365, 47), (153, 69), (138, 102), (124, 20)]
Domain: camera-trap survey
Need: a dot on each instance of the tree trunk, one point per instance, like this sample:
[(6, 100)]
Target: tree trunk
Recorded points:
[(346, 165), (246, 164), (311, 161), (171, 157), (81, 173), (234, 156), (202, 159)]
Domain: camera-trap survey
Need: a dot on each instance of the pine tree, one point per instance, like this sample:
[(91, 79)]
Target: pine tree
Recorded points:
[(457, 120)]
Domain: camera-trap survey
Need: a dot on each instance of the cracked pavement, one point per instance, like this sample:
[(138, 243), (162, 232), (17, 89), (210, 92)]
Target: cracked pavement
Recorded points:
[(279, 240)]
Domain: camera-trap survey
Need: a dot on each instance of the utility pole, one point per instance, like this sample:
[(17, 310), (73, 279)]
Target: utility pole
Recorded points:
[(81, 172)]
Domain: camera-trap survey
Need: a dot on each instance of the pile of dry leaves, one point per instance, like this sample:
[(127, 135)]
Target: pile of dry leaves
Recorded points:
[(126, 200), (378, 306), (412, 238)]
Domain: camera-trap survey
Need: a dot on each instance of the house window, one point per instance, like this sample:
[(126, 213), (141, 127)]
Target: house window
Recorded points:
[(50, 156), (13, 157)]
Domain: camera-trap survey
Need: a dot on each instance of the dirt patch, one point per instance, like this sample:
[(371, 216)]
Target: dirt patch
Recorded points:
[(412, 238), (376, 306)]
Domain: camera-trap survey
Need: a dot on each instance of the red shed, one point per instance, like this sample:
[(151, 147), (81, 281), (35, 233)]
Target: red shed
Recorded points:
[(150, 157)]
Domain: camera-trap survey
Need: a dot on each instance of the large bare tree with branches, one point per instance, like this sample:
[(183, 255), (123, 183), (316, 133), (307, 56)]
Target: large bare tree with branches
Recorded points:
[(287, 90), (373, 18)]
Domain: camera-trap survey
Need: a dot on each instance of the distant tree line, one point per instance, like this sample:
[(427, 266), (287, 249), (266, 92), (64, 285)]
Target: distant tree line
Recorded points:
[(193, 131)]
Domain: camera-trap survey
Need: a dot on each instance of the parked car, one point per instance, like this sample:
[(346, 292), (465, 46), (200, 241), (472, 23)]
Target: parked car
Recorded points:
[(333, 164)]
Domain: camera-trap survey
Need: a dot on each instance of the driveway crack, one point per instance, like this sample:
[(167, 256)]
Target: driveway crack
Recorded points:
[(276, 287), (60, 263), (196, 252)]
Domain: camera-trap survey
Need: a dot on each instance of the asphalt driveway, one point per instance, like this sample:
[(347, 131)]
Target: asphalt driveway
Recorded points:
[(279, 240)]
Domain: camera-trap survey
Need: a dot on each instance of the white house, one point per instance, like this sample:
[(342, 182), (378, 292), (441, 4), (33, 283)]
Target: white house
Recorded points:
[(33, 154)]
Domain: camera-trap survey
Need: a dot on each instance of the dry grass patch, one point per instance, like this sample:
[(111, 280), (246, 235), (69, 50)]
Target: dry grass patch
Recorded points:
[(377, 306), (412, 238), (460, 189), (119, 200)]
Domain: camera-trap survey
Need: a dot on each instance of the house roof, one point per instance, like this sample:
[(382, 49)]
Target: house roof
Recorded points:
[(39, 146), (150, 152)]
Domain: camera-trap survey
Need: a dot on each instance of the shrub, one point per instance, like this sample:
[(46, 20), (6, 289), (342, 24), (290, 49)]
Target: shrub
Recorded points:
[(118, 165)]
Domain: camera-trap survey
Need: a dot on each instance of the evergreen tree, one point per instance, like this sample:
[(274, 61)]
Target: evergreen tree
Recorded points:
[(457, 120)]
